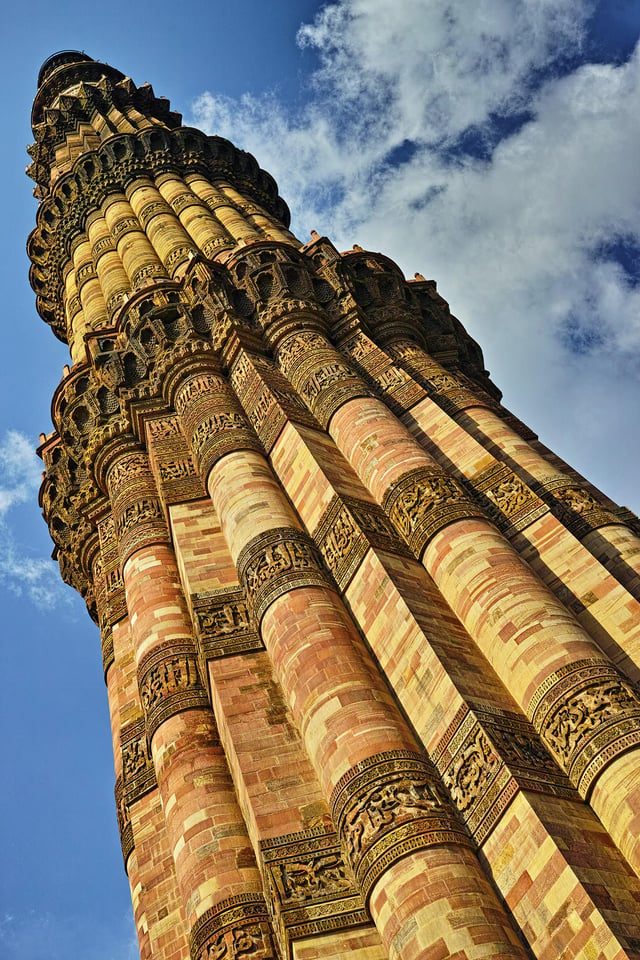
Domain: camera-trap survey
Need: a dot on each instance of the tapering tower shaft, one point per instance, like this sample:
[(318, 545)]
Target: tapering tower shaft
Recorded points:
[(371, 651)]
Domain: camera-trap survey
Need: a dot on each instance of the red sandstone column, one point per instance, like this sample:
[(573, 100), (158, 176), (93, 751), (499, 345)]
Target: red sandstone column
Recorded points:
[(157, 905), (215, 865), (498, 773), (387, 804), (603, 533), (602, 605), (585, 712)]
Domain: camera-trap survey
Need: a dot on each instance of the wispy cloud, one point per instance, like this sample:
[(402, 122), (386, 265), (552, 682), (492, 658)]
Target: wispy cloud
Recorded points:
[(472, 142), (21, 571), (20, 470), (47, 936)]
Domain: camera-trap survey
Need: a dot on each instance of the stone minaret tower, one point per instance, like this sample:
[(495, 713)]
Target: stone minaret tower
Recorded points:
[(371, 650)]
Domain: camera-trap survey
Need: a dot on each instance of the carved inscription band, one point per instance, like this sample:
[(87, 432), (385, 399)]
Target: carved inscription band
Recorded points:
[(321, 376), (423, 501), (212, 420), (267, 398), (275, 562), (485, 756), (169, 683), (347, 529), (106, 645), (311, 883), (575, 506), (235, 929), (587, 714), (124, 823), (139, 518), (224, 624), (387, 806), (138, 772), (509, 501)]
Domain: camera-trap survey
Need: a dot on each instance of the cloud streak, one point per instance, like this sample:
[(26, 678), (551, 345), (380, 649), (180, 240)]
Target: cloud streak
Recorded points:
[(20, 571), (474, 143), (48, 936)]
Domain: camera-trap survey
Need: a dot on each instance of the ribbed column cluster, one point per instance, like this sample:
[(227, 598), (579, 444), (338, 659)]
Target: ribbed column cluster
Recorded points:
[(371, 650)]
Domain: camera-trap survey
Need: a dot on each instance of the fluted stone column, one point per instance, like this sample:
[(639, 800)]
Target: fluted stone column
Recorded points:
[(383, 792), (602, 532), (553, 669), (215, 865)]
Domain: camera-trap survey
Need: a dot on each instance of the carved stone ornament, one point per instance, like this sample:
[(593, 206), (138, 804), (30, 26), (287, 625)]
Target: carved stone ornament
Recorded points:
[(140, 524), (588, 715), (237, 928), (124, 822), (485, 756), (576, 507), (224, 624), (106, 646), (322, 377), (311, 884), (212, 420), (115, 601), (137, 511), (422, 502), (169, 683), (276, 562), (329, 387), (347, 529), (511, 503), (267, 398), (398, 388), (138, 774), (387, 806), (388, 379), (176, 474)]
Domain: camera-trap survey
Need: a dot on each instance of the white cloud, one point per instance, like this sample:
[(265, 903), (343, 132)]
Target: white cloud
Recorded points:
[(20, 470), (20, 571), (517, 242), (47, 936)]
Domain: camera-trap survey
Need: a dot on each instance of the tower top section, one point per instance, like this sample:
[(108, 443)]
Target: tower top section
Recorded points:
[(59, 59), (67, 70)]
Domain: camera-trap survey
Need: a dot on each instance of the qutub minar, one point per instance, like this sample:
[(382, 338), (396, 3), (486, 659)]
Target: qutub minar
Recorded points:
[(371, 649)]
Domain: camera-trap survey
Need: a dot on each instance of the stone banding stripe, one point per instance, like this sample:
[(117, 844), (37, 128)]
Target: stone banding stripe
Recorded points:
[(237, 926), (276, 562), (423, 501), (169, 683)]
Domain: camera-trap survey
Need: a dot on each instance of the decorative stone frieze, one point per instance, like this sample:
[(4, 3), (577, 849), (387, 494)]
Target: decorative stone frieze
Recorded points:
[(138, 515), (267, 398), (106, 648), (169, 683), (311, 884), (386, 378), (176, 474), (575, 506), (588, 715), (237, 928), (510, 503), (124, 821), (276, 562), (387, 806), (423, 501), (212, 420), (320, 375), (484, 758), (138, 774), (224, 624), (115, 601), (347, 529)]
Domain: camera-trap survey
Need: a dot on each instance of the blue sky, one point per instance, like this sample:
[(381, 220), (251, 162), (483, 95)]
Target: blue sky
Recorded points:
[(492, 146)]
